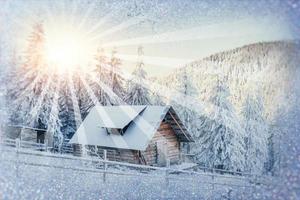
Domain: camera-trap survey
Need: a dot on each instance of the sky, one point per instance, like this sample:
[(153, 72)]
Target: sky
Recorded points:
[(173, 33)]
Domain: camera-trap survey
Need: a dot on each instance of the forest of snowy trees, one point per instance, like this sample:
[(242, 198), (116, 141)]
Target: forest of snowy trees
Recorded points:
[(238, 131), (246, 93)]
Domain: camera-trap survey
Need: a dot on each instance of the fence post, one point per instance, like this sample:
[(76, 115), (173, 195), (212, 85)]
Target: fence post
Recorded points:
[(213, 183), (167, 174), (46, 145), (180, 157), (105, 164), (18, 145), (96, 151), (254, 185), (84, 150)]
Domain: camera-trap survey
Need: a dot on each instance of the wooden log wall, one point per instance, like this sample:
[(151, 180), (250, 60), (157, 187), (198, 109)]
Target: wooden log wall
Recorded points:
[(164, 133), (120, 155)]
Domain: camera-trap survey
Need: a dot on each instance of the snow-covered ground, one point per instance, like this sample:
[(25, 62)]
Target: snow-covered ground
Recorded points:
[(39, 175)]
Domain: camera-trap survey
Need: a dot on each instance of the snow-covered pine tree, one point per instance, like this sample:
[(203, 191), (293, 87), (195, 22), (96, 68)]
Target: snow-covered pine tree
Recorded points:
[(137, 94), (53, 122), (83, 98), (256, 135), (274, 149), (30, 78), (184, 86), (3, 107), (54, 127), (157, 98), (66, 111), (275, 139), (116, 80), (184, 91), (102, 77), (8, 90), (220, 137)]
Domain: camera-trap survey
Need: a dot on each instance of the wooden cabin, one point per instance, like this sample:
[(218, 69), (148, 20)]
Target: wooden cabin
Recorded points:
[(148, 135)]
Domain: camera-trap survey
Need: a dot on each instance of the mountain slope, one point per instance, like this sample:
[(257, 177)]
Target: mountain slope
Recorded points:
[(268, 69)]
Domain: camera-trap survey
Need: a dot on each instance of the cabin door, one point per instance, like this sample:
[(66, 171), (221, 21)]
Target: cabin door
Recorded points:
[(162, 152)]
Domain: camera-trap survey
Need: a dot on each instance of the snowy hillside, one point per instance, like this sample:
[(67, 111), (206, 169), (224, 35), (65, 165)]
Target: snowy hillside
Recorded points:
[(261, 82), (266, 68)]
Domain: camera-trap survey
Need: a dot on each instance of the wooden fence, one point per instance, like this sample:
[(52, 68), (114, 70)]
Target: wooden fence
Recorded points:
[(100, 166)]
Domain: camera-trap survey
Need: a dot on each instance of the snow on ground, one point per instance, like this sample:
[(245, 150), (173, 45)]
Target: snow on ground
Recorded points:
[(27, 176), (183, 166)]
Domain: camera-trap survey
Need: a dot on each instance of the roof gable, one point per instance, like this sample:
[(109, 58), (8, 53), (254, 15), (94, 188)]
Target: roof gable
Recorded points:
[(115, 116), (180, 130)]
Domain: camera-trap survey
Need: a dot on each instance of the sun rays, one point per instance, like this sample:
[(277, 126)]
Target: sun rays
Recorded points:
[(117, 28), (76, 108), (71, 47), (155, 60), (37, 108)]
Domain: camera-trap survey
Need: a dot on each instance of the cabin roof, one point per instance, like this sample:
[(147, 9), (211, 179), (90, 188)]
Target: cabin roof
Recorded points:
[(116, 116), (139, 124)]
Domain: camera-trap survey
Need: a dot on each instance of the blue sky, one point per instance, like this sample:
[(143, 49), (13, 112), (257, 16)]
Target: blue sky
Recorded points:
[(173, 32)]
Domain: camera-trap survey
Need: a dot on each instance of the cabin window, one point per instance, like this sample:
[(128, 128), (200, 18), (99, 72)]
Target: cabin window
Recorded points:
[(116, 131)]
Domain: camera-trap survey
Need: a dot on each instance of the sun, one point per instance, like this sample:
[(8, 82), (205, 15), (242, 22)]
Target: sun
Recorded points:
[(68, 50)]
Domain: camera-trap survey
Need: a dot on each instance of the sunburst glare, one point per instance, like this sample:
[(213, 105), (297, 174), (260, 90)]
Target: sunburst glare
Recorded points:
[(67, 49)]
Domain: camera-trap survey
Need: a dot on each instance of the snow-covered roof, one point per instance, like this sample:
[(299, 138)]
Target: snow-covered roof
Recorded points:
[(116, 116), (139, 123)]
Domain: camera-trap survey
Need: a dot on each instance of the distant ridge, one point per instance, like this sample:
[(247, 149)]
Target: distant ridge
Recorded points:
[(267, 68)]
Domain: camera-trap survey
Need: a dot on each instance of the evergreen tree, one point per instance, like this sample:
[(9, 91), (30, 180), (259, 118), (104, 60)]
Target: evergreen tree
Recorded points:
[(220, 137), (274, 151), (256, 135), (84, 100), (66, 111), (102, 79), (32, 97), (277, 129), (7, 90), (54, 123), (30, 78), (184, 86), (116, 80), (156, 98), (3, 107), (137, 94)]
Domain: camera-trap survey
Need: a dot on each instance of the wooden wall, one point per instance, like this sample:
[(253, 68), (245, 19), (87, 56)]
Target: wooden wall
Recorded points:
[(165, 134), (120, 155), (151, 156)]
